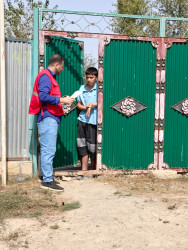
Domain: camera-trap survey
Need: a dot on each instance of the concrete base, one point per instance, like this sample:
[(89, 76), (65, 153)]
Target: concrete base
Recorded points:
[(19, 168), (164, 174)]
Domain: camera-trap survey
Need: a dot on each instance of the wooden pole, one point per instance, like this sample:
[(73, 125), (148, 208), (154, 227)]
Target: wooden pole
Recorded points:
[(3, 95)]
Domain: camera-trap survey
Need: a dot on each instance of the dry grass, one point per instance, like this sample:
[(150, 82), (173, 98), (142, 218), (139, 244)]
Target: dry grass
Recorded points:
[(71, 206), (54, 227), (146, 184), (29, 200), (171, 192)]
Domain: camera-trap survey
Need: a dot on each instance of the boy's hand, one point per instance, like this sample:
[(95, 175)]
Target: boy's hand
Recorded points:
[(89, 105), (88, 112), (67, 100)]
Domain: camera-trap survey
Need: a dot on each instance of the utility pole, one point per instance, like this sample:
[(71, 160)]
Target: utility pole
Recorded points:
[(3, 95)]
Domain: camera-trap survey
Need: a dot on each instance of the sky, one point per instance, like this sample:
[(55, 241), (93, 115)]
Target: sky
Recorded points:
[(103, 6), (99, 6)]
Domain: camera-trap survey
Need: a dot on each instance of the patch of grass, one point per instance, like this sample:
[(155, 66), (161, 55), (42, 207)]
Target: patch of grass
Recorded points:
[(54, 227), (36, 213), (172, 207), (127, 194), (12, 236), (117, 193), (164, 200), (29, 200), (12, 202), (71, 206), (120, 194)]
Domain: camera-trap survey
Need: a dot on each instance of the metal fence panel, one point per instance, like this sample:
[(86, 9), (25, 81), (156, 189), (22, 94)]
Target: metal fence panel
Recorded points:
[(129, 71), (69, 81), (176, 133), (17, 71)]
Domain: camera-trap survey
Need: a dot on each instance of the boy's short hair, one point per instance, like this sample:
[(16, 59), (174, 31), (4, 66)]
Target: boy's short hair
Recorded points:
[(92, 71), (55, 59)]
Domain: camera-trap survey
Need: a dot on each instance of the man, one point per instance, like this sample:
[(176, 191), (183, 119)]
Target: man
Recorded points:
[(46, 102)]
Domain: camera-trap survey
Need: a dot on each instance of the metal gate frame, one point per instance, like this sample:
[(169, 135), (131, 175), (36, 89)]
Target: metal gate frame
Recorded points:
[(161, 44)]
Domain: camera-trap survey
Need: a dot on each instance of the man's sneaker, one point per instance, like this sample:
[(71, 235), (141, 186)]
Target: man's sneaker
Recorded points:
[(40, 179), (51, 186)]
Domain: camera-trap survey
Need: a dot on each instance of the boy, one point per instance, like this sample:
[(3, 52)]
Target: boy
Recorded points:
[(87, 124)]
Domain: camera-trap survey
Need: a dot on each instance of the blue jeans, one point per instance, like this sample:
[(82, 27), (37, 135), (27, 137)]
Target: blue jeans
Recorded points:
[(47, 129)]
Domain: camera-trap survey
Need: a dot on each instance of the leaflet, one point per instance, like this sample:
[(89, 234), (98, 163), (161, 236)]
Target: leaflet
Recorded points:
[(76, 94)]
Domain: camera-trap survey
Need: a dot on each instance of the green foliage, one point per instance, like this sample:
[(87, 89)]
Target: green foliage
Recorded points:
[(19, 18), (144, 27), (131, 26), (89, 61), (174, 8)]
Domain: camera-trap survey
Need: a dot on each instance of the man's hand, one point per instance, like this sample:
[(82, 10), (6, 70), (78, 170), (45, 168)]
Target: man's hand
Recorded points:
[(67, 100)]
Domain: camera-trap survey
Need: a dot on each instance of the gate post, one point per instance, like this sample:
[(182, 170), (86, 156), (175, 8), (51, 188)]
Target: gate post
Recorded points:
[(100, 104), (162, 26), (35, 73)]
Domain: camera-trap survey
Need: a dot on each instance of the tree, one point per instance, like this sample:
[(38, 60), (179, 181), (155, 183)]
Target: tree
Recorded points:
[(145, 27), (174, 8), (89, 61), (19, 18), (131, 26)]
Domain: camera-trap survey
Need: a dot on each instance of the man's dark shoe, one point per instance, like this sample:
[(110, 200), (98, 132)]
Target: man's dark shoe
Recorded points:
[(40, 178), (51, 186)]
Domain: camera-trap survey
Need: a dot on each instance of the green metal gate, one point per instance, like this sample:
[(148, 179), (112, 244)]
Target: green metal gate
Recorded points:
[(129, 81), (176, 121), (69, 81)]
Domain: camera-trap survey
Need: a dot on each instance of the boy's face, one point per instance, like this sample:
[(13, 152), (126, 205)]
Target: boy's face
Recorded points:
[(91, 79)]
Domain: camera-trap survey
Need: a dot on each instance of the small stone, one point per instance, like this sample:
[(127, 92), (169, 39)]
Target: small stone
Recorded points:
[(163, 174), (66, 178), (79, 177), (156, 215), (98, 176), (166, 221), (20, 179), (116, 246), (179, 175), (86, 176)]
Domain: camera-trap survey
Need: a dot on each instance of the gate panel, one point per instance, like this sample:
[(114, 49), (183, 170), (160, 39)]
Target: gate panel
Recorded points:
[(129, 71), (69, 81), (176, 123)]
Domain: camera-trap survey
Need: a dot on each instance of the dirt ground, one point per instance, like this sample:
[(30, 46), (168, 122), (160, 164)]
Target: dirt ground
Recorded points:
[(124, 212)]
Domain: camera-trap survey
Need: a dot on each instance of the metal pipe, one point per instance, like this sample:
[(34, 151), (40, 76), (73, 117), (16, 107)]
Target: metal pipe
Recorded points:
[(3, 96), (35, 73), (111, 15), (162, 26)]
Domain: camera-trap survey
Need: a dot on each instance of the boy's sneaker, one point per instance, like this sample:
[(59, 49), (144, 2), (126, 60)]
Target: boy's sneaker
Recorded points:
[(51, 186)]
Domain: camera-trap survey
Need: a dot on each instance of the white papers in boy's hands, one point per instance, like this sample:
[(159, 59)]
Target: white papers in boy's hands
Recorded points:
[(76, 94)]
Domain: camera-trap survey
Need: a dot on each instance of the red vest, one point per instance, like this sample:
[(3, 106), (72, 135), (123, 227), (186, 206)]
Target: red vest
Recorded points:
[(35, 103)]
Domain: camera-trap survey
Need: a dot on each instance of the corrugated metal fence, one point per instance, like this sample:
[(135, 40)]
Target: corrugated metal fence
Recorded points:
[(18, 73)]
